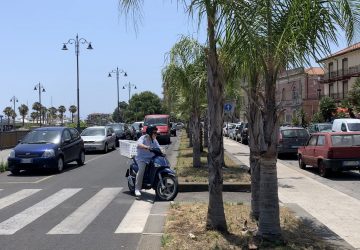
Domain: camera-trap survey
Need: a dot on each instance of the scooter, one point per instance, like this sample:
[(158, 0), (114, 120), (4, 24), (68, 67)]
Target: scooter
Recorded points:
[(158, 176)]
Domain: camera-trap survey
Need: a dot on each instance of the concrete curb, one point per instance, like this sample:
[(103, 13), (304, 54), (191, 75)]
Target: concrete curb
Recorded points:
[(204, 187)]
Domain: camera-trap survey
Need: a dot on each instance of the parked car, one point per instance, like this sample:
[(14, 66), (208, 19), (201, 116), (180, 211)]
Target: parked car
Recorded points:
[(331, 151), (319, 127), (162, 123), (232, 130), (243, 135), (291, 138), (99, 138), (227, 127), (47, 148), (346, 125), (136, 130), (122, 132)]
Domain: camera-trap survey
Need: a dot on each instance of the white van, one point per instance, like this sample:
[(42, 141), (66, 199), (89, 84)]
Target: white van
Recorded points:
[(346, 125)]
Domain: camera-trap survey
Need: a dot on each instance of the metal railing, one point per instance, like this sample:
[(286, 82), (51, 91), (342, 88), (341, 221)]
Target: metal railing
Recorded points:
[(341, 74)]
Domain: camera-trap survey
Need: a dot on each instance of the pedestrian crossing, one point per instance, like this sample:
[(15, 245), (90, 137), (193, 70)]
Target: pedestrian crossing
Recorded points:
[(77, 221)]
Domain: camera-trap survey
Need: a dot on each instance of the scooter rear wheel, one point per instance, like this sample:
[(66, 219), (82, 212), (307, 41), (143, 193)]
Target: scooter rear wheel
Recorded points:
[(170, 190)]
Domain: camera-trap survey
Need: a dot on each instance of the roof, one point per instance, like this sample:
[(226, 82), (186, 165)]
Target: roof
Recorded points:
[(351, 48), (314, 71), (150, 116), (50, 128)]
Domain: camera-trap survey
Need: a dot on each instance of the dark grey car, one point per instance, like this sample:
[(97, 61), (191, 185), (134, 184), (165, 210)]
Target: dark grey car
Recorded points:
[(291, 138)]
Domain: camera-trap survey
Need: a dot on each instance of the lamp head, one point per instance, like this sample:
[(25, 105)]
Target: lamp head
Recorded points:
[(125, 74), (43, 90), (123, 87), (35, 88), (135, 87), (64, 47), (89, 46), (109, 75)]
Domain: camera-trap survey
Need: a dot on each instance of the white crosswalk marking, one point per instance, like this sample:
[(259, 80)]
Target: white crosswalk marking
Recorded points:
[(17, 222), (86, 213), (135, 219), (15, 197)]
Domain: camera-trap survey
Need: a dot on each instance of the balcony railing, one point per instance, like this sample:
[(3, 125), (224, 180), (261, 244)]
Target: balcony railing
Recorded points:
[(341, 74)]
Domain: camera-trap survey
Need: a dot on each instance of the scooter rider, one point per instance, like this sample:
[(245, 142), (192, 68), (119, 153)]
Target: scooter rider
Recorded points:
[(144, 156)]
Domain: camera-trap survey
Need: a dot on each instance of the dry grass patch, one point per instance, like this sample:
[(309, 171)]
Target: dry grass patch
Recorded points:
[(185, 229), (187, 173)]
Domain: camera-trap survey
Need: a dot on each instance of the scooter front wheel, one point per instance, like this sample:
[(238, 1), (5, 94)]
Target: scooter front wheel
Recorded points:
[(169, 191)]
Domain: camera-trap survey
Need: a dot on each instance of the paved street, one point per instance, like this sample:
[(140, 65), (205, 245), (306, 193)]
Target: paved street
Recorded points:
[(86, 207), (335, 209)]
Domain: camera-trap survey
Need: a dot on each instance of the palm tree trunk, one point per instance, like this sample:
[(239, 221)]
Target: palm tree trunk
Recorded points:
[(201, 138), (72, 117), (23, 121), (215, 89), (191, 132), (206, 132), (196, 142)]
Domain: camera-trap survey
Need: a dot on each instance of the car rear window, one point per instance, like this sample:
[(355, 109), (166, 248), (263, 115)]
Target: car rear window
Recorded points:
[(354, 126), (345, 140), (324, 127), (156, 121), (294, 133), (93, 132)]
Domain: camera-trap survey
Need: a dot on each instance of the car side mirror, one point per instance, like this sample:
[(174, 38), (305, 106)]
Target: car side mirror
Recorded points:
[(19, 141), (67, 140)]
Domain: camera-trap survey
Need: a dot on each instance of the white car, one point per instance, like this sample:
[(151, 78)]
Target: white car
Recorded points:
[(99, 138)]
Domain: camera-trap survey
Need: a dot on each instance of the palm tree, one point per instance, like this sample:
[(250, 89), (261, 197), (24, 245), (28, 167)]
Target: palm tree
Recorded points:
[(37, 107), (8, 111), (277, 34), (23, 110), (72, 110), (185, 78), (44, 112), (34, 116), (52, 113), (61, 110)]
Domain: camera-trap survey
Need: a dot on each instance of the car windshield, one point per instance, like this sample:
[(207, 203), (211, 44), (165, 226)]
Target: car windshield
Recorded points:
[(345, 140), (294, 133), (42, 137), (156, 121), (354, 126), (93, 132), (136, 125), (117, 127), (325, 127)]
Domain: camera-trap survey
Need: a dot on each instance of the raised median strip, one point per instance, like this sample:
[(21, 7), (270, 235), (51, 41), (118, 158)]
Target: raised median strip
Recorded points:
[(204, 187)]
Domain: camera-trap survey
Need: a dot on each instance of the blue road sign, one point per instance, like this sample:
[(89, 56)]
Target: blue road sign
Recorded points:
[(228, 107)]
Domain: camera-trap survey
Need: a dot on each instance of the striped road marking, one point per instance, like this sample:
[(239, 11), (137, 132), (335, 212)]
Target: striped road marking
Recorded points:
[(17, 222), (86, 213), (135, 219), (15, 197)]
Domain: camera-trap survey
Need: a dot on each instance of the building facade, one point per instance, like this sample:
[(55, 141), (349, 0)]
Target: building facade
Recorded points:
[(341, 71), (298, 89)]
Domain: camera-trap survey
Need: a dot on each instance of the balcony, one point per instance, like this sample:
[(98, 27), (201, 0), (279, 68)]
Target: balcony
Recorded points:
[(341, 74)]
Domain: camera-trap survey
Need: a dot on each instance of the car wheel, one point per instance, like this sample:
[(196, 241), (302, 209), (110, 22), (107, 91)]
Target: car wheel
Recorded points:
[(15, 171), (302, 165), (60, 165), (81, 160), (323, 171), (106, 148)]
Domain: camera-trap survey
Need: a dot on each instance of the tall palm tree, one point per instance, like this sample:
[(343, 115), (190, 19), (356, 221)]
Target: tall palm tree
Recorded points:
[(44, 112), (34, 116), (23, 110), (37, 107), (8, 111), (53, 114), (61, 110), (277, 34), (72, 110), (215, 91), (186, 76)]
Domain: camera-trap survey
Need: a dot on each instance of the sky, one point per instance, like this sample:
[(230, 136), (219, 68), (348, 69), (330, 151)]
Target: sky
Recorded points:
[(33, 32)]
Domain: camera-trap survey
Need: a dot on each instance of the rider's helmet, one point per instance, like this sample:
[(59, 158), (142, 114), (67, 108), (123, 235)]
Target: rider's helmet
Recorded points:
[(150, 129)]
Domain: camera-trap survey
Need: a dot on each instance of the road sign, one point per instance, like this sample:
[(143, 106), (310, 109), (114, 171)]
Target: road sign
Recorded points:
[(229, 107)]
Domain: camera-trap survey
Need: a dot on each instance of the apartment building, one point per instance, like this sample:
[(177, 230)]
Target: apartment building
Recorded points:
[(298, 89), (341, 71)]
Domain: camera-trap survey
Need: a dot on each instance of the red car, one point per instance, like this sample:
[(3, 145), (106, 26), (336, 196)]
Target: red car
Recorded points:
[(331, 151), (162, 122)]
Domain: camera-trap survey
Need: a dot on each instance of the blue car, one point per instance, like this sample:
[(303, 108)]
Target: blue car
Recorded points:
[(47, 148)]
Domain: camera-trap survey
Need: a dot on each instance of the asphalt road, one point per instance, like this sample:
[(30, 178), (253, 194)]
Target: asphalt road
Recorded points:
[(81, 208)]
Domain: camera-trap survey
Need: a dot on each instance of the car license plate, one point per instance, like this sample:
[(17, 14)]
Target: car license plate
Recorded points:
[(26, 160), (351, 163), (295, 146)]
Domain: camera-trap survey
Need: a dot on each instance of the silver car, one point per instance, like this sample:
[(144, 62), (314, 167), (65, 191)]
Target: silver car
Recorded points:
[(99, 138)]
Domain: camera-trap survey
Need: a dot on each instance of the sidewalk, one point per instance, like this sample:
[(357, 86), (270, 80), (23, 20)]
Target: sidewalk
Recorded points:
[(336, 210)]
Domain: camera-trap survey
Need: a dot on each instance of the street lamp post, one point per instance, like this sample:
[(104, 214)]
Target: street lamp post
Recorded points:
[(117, 71), (77, 42), (14, 100), (129, 86), (40, 88)]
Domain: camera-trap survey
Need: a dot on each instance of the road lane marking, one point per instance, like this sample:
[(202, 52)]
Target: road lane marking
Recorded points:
[(15, 197), (20, 220), (97, 157), (28, 182), (76, 222), (136, 217)]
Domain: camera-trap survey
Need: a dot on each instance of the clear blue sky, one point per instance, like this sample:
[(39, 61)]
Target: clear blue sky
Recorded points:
[(32, 33)]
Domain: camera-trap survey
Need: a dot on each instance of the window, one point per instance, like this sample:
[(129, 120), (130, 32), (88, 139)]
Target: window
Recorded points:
[(66, 135), (321, 140), (331, 68), (345, 66), (343, 127), (74, 133), (283, 94), (312, 141), (294, 93), (345, 89)]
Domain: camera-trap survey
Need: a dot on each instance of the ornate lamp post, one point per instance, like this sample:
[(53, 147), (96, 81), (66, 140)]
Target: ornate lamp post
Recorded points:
[(14, 100), (117, 71), (40, 88), (77, 42), (129, 86)]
